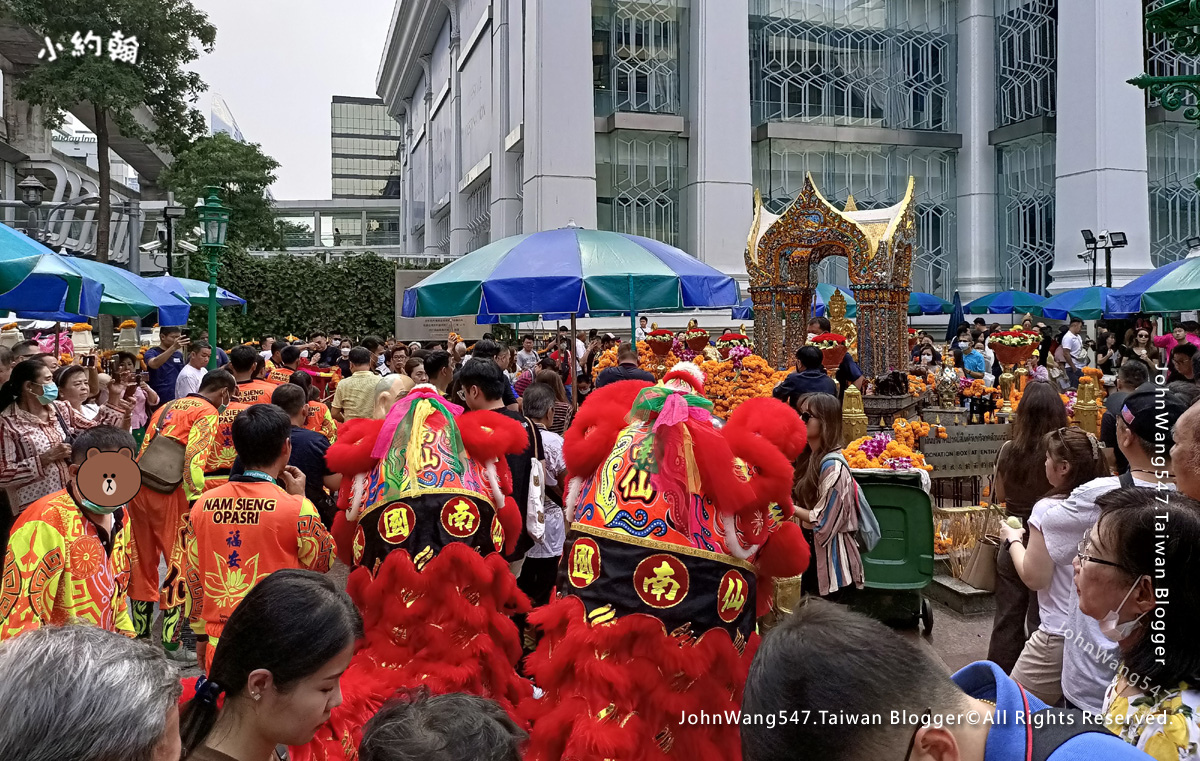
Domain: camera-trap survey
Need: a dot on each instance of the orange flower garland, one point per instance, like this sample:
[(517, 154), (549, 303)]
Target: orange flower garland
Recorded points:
[(727, 386), (894, 450), (647, 360)]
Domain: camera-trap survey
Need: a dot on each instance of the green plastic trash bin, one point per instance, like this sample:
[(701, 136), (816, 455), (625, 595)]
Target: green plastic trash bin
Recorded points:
[(901, 565)]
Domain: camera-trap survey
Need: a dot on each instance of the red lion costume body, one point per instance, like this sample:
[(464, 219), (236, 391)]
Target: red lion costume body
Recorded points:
[(678, 527), (424, 520)]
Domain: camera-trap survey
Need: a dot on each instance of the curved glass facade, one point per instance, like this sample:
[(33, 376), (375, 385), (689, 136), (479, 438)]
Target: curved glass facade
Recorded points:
[(638, 177), (1025, 171), (880, 63), (636, 55)]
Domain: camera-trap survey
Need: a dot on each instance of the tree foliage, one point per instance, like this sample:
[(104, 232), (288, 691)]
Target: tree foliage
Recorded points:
[(170, 34), (294, 294), (243, 172)]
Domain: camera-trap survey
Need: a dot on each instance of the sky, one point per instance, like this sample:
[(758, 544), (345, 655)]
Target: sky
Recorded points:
[(278, 63)]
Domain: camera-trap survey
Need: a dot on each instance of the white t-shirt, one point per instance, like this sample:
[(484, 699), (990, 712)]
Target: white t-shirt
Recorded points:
[(580, 353), (188, 381), (555, 533), (641, 334), (526, 360), (1089, 659), (1073, 344), (1053, 601)]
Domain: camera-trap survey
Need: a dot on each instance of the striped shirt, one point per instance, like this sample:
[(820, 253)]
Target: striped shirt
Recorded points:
[(25, 437)]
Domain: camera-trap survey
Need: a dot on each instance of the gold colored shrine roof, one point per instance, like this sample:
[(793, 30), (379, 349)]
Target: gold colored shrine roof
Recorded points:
[(874, 225)]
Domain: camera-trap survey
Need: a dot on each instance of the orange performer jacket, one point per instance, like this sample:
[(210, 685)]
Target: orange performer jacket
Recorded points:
[(280, 375), (254, 392), (318, 418), (221, 454), (60, 566), (242, 532)]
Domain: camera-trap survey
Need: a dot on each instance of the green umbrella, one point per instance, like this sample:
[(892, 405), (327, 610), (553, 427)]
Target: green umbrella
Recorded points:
[(1179, 291)]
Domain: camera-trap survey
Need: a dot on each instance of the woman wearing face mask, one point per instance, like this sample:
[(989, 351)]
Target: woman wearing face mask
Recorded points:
[(1135, 572), (36, 432), (927, 361), (278, 666), (1072, 459)]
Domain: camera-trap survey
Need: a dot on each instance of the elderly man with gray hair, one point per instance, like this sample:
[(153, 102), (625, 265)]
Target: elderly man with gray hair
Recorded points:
[(79, 693), (540, 569)]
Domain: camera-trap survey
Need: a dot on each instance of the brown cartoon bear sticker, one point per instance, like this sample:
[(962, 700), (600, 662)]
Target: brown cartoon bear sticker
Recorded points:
[(109, 479)]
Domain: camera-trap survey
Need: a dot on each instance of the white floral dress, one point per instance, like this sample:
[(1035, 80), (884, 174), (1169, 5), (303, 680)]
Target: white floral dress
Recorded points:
[(1165, 725)]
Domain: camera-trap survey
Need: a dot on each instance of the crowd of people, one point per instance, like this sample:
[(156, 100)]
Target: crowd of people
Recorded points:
[(1064, 353), (1095, 614)]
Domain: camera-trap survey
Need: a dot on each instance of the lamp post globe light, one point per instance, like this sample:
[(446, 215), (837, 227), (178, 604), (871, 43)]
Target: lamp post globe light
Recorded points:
[(214, 222)]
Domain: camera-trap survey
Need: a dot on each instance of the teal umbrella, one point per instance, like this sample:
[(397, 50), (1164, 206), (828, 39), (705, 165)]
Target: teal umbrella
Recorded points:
[(195, 292), (1084, 303), (125, 295), (1006, 302), (570, 271), (1179, 291), (927, 303), (34, 277)]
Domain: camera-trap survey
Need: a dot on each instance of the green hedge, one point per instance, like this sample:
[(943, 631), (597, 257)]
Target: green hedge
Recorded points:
[(286, 294)]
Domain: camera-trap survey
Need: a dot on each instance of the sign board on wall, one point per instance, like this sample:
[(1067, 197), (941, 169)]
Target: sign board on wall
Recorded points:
[(430, 328)]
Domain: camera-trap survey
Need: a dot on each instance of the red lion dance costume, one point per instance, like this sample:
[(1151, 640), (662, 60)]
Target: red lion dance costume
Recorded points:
[(678, 528), (425, 520)]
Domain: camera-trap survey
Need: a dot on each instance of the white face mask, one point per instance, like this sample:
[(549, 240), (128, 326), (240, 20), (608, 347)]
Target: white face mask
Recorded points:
[(345, 352), (1114, 631)]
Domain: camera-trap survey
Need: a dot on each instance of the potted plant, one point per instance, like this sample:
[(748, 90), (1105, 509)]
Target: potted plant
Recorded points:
[(696, 339), (1013, 347), (729, 341), (660, 341), (833, 349)]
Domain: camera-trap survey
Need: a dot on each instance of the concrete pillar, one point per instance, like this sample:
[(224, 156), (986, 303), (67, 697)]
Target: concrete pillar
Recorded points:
[(506, 203), (560, 126), (402, 161), (430, 244), (460, 236), (719, 192), (978, 263), (1101, 177), (409, 219)]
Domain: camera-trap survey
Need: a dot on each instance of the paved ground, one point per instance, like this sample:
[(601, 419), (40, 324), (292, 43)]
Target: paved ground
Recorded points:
[(957, 639)]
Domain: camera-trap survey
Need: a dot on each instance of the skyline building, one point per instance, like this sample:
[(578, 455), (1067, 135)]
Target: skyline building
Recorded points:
[(365, 141)]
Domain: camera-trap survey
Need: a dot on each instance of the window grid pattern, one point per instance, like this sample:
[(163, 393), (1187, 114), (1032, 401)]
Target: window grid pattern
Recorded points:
[(878, 178), (479, 216), (636, 66), (1026, 60), (645, 179), (365, 146), (1174, 163), (363, 119), (881, 63), (441, 234), (1025, 173)]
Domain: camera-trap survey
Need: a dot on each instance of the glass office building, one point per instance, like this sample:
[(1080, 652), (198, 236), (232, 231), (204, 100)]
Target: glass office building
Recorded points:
[(366, 142), (661, 117)]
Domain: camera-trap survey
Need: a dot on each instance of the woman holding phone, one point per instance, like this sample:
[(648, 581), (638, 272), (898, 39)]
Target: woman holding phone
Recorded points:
[(133, 387)]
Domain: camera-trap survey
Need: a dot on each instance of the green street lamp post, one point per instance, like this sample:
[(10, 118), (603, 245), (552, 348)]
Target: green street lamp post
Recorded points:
[(214, 222)]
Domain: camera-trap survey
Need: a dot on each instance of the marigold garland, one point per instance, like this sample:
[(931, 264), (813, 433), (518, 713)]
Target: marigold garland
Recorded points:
[(9, 326), (727, 386), (881, 451), (81, 327), (127, 324), (647, 360)]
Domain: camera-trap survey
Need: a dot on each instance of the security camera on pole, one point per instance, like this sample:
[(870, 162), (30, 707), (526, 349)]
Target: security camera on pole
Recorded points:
[(1107, 241)]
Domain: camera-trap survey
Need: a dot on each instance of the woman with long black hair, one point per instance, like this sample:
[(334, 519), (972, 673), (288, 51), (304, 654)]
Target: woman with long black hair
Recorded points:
[(1019, 482), (278, 665)]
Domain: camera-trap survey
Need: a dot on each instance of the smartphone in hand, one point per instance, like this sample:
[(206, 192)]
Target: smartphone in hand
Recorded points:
[(130, 390)]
